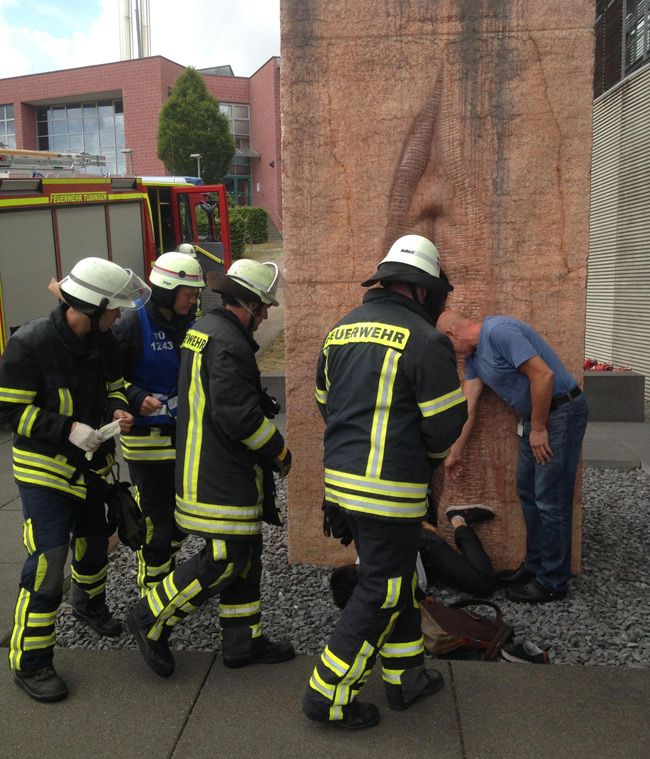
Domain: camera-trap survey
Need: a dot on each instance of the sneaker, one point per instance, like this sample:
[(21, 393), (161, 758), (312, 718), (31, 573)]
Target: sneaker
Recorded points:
[(263, 651), (42, 684), (356, 716), (526, 652), (471, 514), (396, 699), (156, 653), (100, 620)]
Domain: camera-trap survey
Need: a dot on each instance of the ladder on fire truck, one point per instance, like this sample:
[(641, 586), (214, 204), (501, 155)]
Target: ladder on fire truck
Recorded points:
[(34, 163)]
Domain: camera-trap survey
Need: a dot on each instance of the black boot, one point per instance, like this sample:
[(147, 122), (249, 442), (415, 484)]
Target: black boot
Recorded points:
[(100, 620), (396, 698), (356, 716), (42, 684), (156, 653), (263, 651)]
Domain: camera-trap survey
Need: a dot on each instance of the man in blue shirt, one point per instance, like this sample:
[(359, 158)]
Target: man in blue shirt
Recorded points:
[(513, 360)]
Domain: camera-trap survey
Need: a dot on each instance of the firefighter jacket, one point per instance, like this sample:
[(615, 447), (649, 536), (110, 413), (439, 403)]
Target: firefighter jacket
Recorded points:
[(50, 378), (151, 346), (388, 389), (224, 439)]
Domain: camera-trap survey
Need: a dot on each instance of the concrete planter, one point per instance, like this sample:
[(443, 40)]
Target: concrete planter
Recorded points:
[(615, 396)]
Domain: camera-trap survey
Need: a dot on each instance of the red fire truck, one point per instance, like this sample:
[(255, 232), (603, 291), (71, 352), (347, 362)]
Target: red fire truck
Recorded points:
[(51, 216)]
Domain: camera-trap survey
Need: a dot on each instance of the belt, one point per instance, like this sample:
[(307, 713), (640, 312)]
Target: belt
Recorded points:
[(560, 400)]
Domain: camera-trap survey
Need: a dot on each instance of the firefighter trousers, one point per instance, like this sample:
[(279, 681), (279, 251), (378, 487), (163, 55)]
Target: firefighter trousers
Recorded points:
[(381, 617), (230, 568), (54, 521), (153, 484)]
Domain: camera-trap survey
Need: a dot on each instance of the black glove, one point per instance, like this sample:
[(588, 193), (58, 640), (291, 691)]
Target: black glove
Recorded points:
[(269, 405), (334, 524), (282, 463)]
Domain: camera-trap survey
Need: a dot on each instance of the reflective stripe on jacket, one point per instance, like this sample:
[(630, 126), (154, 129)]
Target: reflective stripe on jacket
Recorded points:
[(388, 389)]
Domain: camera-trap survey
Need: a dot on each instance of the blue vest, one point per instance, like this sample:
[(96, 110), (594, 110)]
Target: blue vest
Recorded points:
[(157, 371)]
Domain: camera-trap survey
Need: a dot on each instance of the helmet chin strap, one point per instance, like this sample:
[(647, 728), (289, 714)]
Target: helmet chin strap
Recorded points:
[(414, 292), (97, 315), (248, 309)]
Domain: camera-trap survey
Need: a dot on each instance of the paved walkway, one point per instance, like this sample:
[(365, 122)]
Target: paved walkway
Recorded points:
[(118, 707)]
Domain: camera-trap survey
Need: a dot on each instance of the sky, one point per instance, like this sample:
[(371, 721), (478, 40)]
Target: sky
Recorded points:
[(47, 35)]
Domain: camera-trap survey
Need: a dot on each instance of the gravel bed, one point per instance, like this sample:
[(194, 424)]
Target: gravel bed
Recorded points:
[(603, 620)]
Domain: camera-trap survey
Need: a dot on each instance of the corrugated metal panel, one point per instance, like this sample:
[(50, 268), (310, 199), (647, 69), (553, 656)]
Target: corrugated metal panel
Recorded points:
[(25, 267), (618, 287), (126, 236), (82, 233)]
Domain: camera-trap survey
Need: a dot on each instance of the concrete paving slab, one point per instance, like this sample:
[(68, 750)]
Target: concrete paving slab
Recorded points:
[(9, 579), (256, 712), (117, 707), (14, 505), (552, 712), (11, 529)]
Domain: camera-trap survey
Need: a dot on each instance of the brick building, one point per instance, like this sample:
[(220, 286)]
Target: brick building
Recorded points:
[(114, 107)]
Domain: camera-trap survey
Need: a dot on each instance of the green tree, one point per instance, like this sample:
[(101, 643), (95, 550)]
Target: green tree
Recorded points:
[(191, 122)]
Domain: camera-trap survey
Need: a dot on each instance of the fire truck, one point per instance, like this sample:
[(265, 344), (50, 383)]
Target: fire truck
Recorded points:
[(52, 215)]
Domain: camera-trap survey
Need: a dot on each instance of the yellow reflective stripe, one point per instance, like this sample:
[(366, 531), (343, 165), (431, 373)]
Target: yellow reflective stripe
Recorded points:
[(217, 527), (20, 618), (219, 511), (219, 550), (369, 332), (393, 676), (27, 419), (41, 618), (41, 641), (256, 630), (80, 548), (119, 396), (398, 650), (376, 505), (31, 477), (319, 685), (230, 568), (261, 436), (333, 662), (15, 395), (342, 691), (376, 485), (393, 590), (89, 579), (155, 439), (388, 630), (149, 455), (155, 604), (442, 403), (97, 591), (41, 571), (28, 536), (195, 341), (194, 430), (239, 610), (116, 385), (193, 589), (382, 413), (57, 464), (65, 401), (321, 395), (438, 455)]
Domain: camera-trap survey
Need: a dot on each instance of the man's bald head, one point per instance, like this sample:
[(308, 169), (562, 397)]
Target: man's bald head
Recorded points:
[(461, 330)]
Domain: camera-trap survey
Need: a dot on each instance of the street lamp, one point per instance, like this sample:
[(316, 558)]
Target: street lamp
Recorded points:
[(198, 163), (129, 152)]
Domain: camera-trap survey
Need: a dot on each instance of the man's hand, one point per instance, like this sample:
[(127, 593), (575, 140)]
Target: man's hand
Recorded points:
[(282, 463), (150, 405), (125, 419), (453, 465), (538, 440), (334, 524)]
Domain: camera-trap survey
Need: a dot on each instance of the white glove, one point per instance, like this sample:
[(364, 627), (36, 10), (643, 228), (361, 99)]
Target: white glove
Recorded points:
[(105, 433), (85, 437)]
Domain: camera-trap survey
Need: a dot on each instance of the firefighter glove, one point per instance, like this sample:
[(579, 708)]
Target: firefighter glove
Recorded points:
[(282, 462), (334, 524), (85, 437)]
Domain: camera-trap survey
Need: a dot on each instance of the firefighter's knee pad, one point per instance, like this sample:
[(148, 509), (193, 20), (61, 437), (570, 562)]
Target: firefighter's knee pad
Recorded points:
[(48, 580)]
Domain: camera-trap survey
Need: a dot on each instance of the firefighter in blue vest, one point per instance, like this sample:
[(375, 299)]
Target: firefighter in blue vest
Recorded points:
[(388, 390), (150, 341)]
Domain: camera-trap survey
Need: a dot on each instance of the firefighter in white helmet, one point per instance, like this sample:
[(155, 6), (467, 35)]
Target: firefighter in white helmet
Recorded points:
[(388, 390), (60, 381), (227, 452), (150, 340)]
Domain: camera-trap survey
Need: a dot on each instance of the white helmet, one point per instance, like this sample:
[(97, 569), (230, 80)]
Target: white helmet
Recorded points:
[(97, 283), (187, 248), (172, 270), (260, 278)]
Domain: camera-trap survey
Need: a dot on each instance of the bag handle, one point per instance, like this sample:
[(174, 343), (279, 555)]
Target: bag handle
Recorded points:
[(478, 602)]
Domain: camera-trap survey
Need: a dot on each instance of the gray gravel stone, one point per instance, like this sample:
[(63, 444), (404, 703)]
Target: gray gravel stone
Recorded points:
[(602, 621)]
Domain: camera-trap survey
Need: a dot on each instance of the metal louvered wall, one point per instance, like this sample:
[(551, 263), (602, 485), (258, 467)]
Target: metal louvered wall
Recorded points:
[(618, 284)]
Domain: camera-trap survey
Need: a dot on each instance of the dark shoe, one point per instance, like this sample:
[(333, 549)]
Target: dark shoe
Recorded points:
[(42, 684), (533, 593), (156, 653), (526, 652), (263, 651), (356, 716), (515, 576), (471, 514), (396, 699), (100, 620)]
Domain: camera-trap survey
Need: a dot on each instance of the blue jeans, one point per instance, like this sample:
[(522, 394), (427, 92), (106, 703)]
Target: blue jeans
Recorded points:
[(546, 494)]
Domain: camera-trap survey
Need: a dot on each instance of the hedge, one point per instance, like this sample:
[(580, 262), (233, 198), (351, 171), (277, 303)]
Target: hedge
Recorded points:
[(255, 221)]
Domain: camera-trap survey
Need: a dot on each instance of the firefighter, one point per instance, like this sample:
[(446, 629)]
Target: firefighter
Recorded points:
[(388, 390), (150, 340), (226, 444), (61, 380)]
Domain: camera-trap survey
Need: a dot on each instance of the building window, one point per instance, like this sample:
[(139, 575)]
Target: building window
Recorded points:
[(239, 179), (96, 127), (636, 32), (7, 126), (239, 117)]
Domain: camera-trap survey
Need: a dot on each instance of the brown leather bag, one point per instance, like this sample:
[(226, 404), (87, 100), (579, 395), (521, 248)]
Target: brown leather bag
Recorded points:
[(446, 628)]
